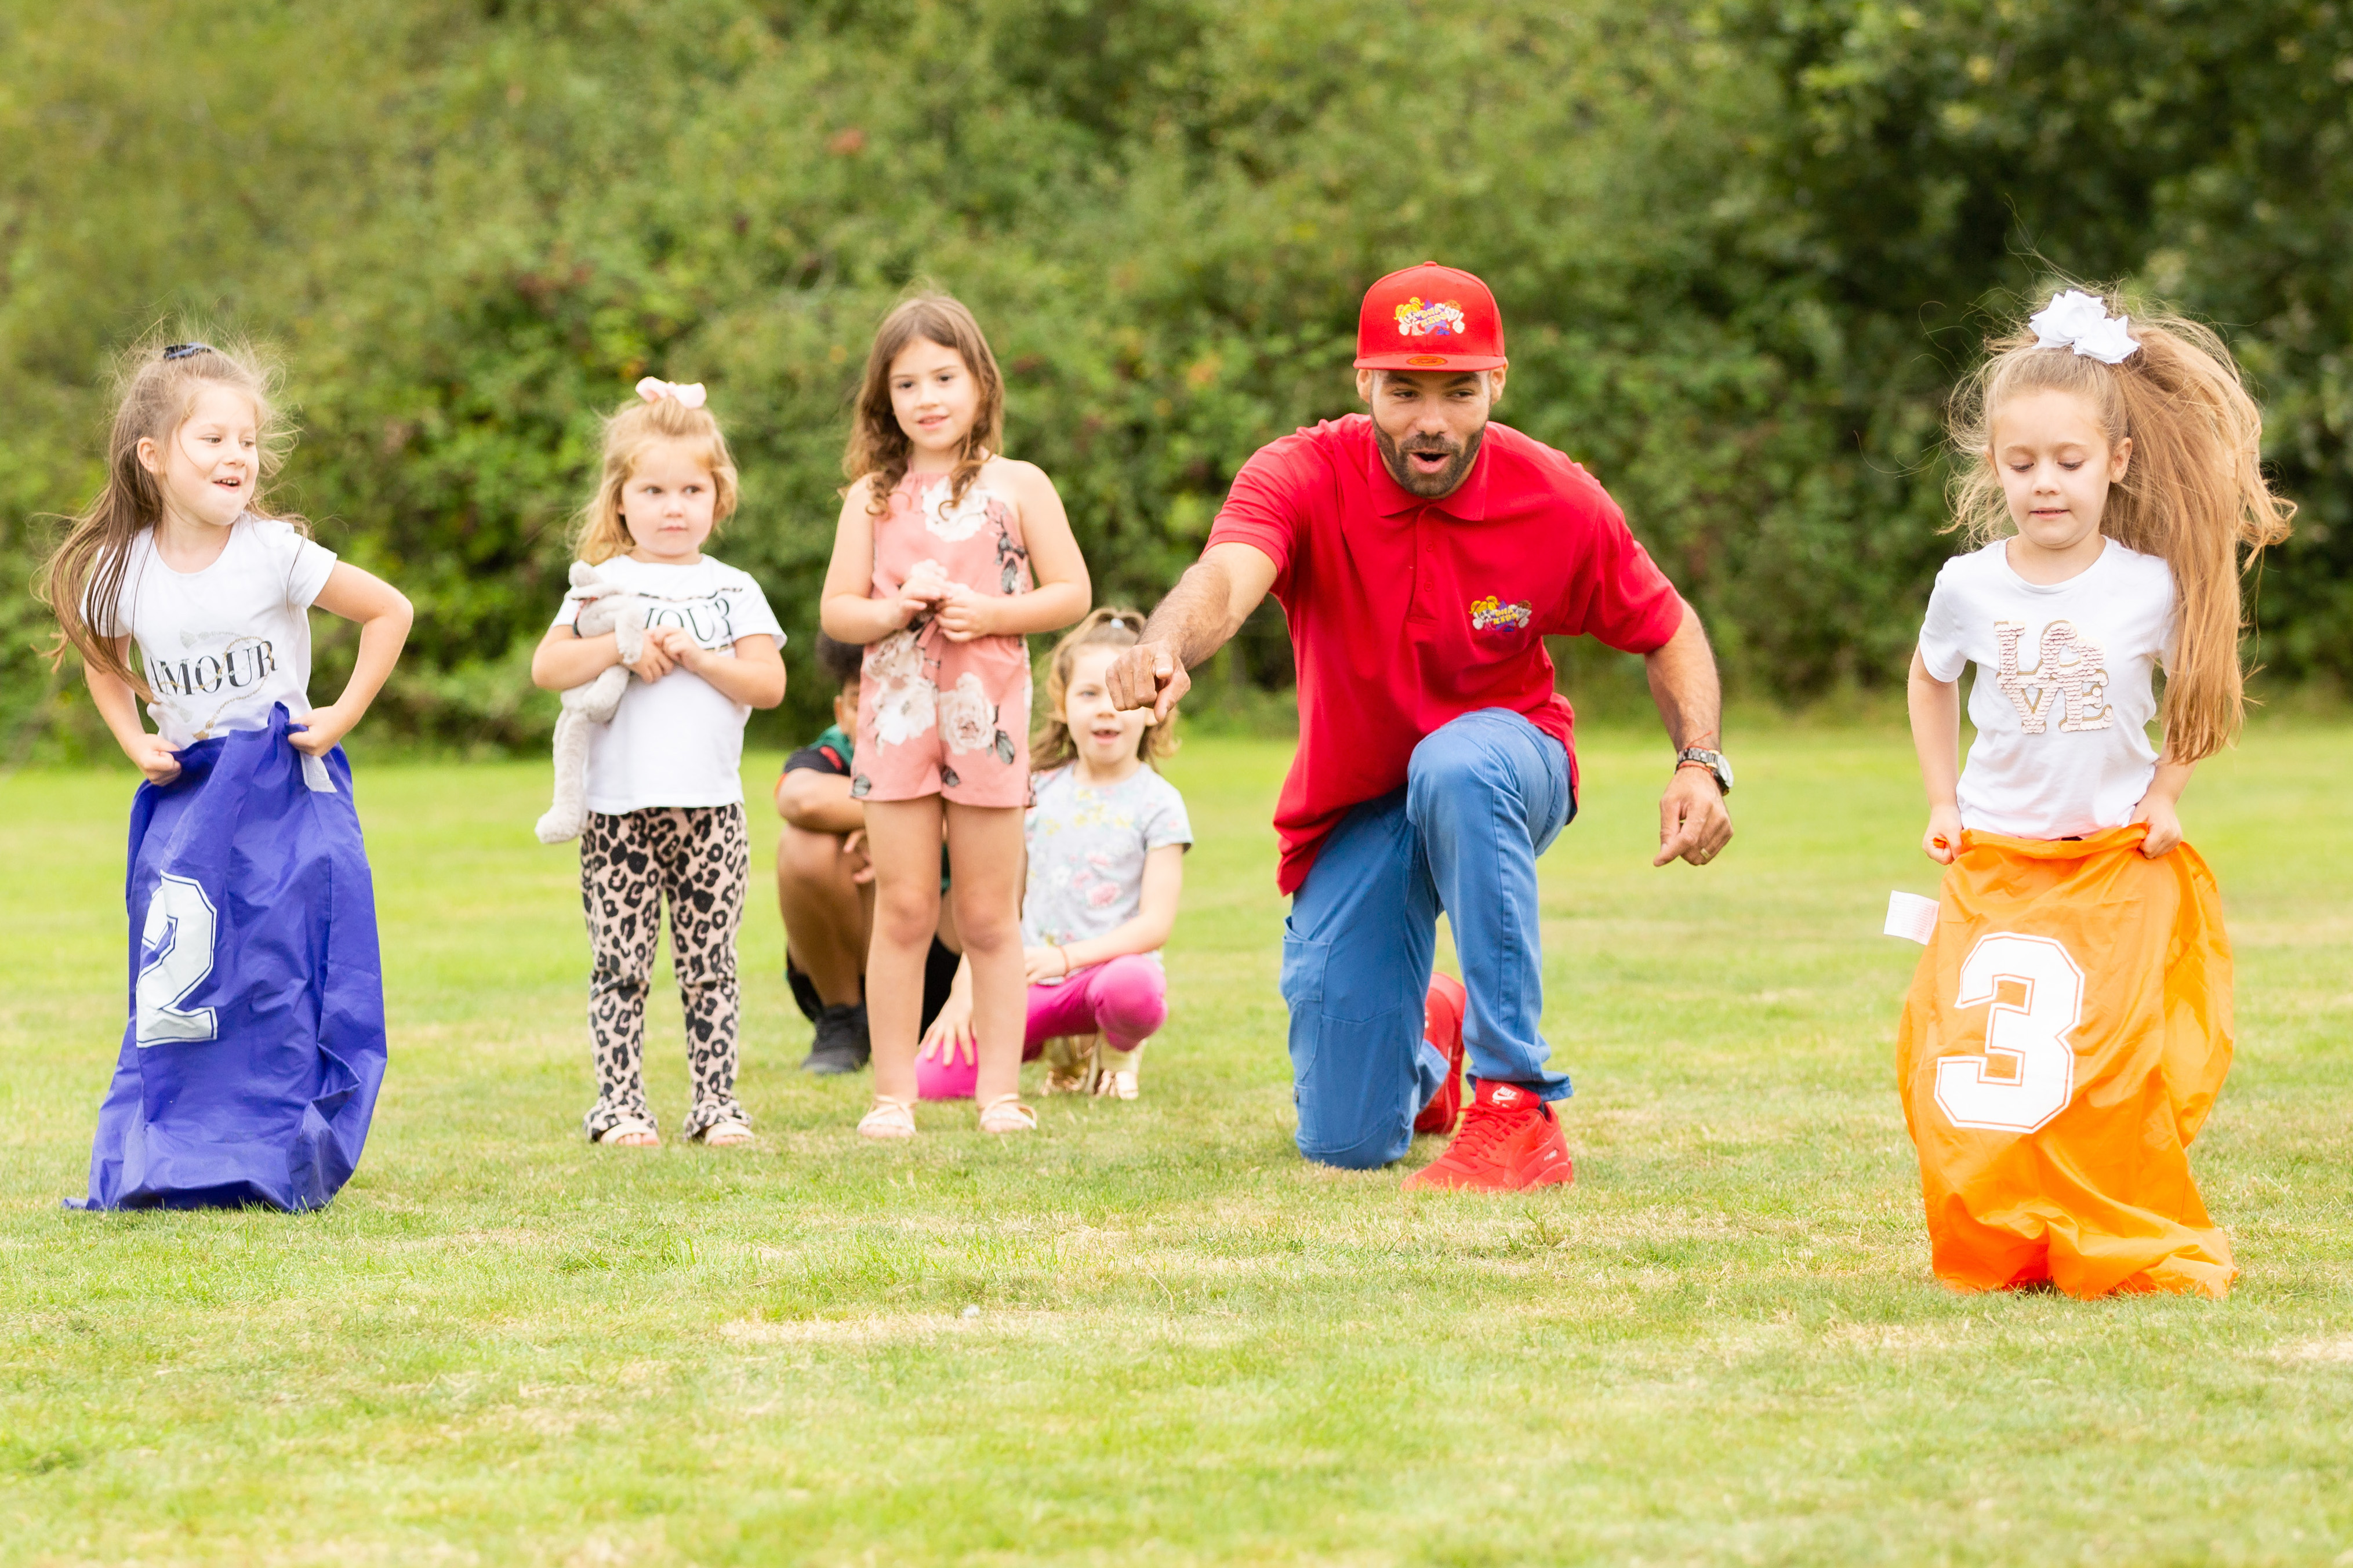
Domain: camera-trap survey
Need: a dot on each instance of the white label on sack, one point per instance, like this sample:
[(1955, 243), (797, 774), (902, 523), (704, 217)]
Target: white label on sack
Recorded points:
[(1911, 916)]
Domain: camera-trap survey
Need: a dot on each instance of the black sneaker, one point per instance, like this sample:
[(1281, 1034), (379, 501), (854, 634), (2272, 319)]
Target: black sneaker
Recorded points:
[(841, 1045)]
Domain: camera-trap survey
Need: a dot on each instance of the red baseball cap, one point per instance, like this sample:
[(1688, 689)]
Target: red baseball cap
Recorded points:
[(1429, 317)]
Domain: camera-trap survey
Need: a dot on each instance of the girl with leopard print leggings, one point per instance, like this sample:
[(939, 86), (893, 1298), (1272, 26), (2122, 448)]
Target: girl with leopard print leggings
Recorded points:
[(665, 796)]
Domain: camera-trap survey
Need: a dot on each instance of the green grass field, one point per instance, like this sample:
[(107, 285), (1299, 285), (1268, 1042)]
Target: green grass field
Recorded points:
[(1722, 1345)]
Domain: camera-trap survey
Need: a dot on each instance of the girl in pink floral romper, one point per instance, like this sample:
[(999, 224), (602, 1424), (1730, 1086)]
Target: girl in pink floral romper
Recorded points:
[(936, 716), (946, 556)]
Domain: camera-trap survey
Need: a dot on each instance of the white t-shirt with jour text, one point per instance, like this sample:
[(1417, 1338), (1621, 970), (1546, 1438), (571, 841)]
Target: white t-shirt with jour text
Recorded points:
[(220, 647), (2065, 690), (678, 740)]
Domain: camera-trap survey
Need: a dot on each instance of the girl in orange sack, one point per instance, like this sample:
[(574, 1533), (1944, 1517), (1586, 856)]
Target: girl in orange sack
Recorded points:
[(946, 554), (2070, 1024)]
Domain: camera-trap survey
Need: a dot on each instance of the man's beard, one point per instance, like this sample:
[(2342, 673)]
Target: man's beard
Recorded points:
[(1430, 487)]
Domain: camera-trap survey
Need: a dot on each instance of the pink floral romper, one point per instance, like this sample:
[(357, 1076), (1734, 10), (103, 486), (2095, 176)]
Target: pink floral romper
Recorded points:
[(936, 717)]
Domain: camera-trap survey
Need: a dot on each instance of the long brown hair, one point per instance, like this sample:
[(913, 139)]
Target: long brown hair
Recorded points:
[(2194, 493), (879, 448), (600, 531), (156, 386), (1112, 627)]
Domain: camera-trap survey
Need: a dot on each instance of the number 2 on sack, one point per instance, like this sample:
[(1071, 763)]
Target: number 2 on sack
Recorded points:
[(2026, 1074), (181, 928)]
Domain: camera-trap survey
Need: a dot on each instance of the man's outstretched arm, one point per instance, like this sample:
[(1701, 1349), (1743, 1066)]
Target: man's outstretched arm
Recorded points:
[(1205, 609), (1692, 824)]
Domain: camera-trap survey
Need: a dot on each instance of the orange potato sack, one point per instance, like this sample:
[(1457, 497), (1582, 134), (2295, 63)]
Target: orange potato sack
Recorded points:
[(2066, 1033)]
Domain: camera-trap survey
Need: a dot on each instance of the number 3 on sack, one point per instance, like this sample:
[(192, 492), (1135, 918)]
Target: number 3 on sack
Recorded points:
[(2027, 1071), (181, 927)]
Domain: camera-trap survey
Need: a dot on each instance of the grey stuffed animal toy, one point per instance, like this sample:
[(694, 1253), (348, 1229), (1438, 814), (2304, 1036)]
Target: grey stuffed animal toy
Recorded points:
[(607, 609)]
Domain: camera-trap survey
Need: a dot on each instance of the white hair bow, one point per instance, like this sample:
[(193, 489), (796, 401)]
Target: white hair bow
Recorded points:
[(653, 389), (2076, 320)]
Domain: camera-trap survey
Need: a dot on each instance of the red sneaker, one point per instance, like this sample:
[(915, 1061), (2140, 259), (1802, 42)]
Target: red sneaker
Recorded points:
[(1442, 1026), (1510, 1141)]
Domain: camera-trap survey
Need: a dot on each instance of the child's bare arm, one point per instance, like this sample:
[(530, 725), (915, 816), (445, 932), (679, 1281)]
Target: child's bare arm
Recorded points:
[(2157, 807), (755, 677), (564, 659), (1935, 707), (848, 610), (383, 613), (1145, 931), (819, 802), (118, 705), (1063, 591), (951, 1028)]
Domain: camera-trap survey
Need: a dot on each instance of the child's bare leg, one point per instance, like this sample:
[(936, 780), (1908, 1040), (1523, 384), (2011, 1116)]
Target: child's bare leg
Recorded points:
[(825, 910), (985, 861), (903, 837)]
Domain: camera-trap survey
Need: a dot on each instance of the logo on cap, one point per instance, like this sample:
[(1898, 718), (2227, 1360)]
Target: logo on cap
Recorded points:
[(1429, 317), (1438, 318)]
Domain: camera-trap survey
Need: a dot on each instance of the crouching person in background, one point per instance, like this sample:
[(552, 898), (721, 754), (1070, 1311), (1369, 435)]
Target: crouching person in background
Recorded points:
[(825, 885)]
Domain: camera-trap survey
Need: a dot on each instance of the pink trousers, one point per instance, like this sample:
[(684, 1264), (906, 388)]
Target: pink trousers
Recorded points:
[(1126, 1000)]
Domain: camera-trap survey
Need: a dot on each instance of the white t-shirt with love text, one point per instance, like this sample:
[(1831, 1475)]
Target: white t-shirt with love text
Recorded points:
[(678, 740), (2065, 692), (220, 647)]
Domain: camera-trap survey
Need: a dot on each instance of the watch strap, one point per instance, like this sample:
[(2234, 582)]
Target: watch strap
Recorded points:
[(1713, 761)]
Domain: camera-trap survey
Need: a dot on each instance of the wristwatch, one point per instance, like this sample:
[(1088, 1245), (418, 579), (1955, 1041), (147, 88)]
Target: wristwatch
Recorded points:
[(1714, 762)]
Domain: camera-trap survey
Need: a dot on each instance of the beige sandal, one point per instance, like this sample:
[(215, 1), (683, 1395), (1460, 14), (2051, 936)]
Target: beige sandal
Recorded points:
[(888, 1118), (1006, 1113), (630, 1132), (1118, 1085), (727, 1134)]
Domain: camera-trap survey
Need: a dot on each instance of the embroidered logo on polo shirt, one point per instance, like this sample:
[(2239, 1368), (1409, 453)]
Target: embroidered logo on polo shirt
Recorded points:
[(1437, 318), (1489, 615)]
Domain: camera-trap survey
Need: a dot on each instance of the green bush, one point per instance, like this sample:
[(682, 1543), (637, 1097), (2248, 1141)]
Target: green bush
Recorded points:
[(1741, 248)]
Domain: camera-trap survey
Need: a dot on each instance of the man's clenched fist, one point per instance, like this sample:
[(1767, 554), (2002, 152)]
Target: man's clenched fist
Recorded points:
[(1148, 675)]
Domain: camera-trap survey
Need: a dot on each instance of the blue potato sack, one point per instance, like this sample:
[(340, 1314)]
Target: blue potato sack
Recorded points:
[(255, 1040)]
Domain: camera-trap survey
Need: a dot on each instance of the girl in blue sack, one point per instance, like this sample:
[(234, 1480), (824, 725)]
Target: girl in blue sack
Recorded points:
[(250, 1063)]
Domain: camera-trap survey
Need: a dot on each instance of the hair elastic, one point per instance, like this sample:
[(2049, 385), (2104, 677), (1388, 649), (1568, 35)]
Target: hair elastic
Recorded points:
[(183, 351)]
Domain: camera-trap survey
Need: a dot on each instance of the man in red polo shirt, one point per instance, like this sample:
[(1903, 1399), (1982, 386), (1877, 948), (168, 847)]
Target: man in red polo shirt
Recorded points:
[(1421, 556)]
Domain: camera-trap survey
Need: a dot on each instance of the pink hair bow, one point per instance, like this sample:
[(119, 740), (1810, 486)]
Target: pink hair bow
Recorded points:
[(653, 389)]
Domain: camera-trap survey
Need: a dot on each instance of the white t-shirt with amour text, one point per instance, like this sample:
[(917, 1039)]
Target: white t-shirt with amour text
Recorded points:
[(678, 740), (2065, 690), (221, 646)]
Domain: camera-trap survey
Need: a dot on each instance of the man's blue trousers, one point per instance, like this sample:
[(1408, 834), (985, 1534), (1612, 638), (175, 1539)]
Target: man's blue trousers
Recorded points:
[(1484, 796)]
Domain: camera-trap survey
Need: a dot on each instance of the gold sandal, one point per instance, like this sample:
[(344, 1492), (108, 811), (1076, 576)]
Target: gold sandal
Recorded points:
[(1006, 1113), (888, 1118), (1070, 1063)]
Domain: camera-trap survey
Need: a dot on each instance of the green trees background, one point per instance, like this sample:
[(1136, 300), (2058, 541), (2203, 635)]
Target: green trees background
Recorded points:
[(1742, 248)]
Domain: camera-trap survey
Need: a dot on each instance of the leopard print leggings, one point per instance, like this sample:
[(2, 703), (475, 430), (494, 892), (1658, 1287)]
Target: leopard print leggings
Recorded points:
[(698, 860)]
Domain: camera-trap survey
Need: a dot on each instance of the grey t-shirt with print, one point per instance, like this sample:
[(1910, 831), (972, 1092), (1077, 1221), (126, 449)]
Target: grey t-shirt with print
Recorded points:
[(1087, 848)]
